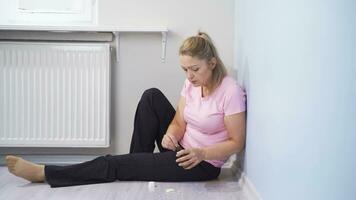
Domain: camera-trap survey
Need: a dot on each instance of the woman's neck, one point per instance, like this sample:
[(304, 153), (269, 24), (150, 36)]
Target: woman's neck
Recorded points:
[(207, 90)]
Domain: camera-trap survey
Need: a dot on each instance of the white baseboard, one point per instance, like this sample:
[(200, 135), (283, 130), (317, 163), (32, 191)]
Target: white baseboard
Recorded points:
[(247, 187), (236, 163)]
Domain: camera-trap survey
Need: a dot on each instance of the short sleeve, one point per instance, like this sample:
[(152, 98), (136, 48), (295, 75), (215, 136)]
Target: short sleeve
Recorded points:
[(184, 89), (235, 100)]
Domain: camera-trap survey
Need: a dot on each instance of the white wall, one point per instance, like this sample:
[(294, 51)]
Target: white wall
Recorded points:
[(297, 61), (140, 65)]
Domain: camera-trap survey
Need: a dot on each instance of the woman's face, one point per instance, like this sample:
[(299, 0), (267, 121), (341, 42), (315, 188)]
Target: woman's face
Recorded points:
[(198, 72)]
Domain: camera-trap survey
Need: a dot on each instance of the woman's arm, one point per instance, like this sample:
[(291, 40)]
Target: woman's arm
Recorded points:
[(236, 128), (176, 128)]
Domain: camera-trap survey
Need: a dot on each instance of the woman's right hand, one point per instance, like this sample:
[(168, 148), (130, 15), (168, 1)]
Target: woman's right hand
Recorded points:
[(169, 142)]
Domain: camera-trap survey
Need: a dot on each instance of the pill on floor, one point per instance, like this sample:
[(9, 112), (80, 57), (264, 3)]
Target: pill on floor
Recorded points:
[(169, 190), (151, 186)]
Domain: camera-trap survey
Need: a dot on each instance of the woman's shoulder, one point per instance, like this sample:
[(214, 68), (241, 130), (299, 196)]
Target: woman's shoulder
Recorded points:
[(229, 82), (229, 85)]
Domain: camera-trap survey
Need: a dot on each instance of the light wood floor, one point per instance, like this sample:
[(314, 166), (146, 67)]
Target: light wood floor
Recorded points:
[(226, 187)]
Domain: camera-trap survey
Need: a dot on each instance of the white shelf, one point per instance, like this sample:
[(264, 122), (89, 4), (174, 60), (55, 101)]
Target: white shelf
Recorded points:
[(83, 28), (115, 30)]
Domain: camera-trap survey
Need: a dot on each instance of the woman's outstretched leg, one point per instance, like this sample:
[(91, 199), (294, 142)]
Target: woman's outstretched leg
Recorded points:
[(25, 169), (128, 167), (98, 170)]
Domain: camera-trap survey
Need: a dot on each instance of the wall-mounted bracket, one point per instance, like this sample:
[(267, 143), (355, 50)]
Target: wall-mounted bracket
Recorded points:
[(164, 44)]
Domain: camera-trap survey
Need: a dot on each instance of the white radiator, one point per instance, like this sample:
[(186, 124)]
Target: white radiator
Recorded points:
[(54, 94)]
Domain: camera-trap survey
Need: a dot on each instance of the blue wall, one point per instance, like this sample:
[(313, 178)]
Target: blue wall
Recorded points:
[(297, 61)]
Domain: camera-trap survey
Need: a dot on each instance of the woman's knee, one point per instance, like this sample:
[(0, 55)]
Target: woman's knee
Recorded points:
[(151, 93)]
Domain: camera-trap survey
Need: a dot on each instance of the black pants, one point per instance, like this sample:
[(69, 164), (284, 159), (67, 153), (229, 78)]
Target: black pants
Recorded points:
[(153, 115)]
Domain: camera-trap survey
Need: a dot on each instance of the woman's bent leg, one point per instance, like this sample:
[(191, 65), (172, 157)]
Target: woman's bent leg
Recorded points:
[(153, 115)]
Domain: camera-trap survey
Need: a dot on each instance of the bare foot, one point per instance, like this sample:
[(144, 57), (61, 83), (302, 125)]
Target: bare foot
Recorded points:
[(25, 169)]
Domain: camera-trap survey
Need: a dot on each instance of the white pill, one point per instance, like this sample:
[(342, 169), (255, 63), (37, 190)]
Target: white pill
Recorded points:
[(151, 186), (168, 190)]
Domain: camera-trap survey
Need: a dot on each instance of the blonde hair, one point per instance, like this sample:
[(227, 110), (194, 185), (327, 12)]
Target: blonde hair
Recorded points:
[(202, 47)]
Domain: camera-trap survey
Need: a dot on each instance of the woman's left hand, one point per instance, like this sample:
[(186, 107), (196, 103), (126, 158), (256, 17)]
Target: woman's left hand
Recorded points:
[(189, 158)]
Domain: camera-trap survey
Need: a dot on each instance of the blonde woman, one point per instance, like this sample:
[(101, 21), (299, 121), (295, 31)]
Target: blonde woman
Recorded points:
[(194, 141)]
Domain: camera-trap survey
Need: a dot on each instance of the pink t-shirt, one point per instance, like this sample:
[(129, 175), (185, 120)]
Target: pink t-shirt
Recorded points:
[(205, 115)]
